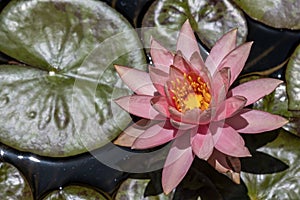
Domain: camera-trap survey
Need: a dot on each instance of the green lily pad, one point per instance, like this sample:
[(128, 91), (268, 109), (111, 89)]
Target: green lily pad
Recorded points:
[(209, 19), (12, 184), (278, 14), (282, 185), (132, 189), (59, 102), (277, 103), (293, 80), (75, 193)]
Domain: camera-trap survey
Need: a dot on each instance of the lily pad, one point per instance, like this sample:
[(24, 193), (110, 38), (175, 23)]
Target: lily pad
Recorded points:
[(293, 80), (59, 101), (277, 103), (12, 184), (209, 19), (278, 14), (282, 185), (75, 193)]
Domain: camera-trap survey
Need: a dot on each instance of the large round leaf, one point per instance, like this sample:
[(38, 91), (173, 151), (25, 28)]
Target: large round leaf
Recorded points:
[(282, 185), (62, 94), (12, 183), (210, 20), (278, 14)]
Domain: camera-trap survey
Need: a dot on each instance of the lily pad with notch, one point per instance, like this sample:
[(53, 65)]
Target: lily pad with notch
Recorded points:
[(209, 19), (58, 102)]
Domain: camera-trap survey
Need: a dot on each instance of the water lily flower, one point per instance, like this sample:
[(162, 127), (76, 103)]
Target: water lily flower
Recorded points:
[(189, 102)]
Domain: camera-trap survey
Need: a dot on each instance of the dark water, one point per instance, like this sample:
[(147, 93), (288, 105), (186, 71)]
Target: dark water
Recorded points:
[(44, 174)]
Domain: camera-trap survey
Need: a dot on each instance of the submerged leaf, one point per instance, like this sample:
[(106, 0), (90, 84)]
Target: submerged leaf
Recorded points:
[(75, 193), (12, 184), (60, 102), (134, 189), (209, 19)]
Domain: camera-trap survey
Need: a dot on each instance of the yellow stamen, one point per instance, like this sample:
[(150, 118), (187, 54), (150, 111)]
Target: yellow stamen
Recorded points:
[(190, 92)]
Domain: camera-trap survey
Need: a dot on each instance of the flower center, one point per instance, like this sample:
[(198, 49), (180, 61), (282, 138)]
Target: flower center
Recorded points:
[(190, 92)]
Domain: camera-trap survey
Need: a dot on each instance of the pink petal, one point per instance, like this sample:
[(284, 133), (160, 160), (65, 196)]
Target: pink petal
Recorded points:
[(130, 134), (229, 142), (236, 60), (161, 57), (222, 47), (137, 80), (160, 104), (202, 142), (187, 43), (255, 89), (159, 79), (230, 106), (199, 66), (255, 121), (175, 73), (177, 164), (220, 84), (195, 116), (169, 94), (219, 162), (156, 135), (181, 125), (180, 63), (139, 105)]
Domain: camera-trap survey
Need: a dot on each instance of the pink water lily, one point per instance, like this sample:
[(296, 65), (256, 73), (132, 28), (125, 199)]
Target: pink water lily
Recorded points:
[(190, 101)]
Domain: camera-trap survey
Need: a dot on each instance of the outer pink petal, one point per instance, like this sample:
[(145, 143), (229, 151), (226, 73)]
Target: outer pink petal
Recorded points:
[(130, 134), (195, 116), (139, 105), (178, 162), (159, 79), (222, 47), (187, 43), (161, 104), (236, 60), (255, 89), (230, 106), (156, 135), (161, 57), (137, 80), (229, 142), (255, 121), (202, 142)]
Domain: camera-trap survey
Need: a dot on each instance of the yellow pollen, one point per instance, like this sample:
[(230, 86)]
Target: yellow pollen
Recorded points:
[(190, 92)]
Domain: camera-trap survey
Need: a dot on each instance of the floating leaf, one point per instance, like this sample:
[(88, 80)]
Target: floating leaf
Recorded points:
[(12, 184), (59, 103), (278, 14), (277, 103), (283, 185), (210, 20), (75, 193), (293, 80)]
